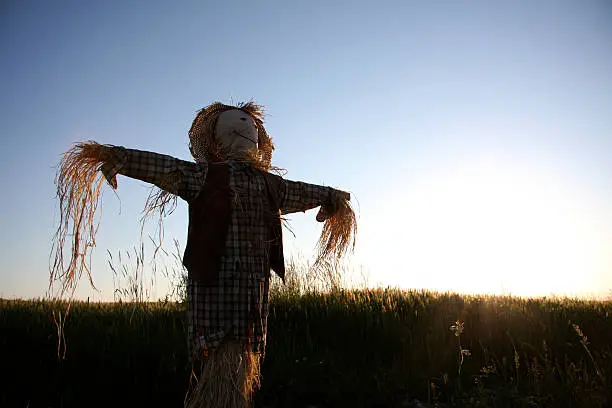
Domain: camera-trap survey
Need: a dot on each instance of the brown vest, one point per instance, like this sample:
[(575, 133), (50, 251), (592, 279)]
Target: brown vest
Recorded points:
[(209, 219)]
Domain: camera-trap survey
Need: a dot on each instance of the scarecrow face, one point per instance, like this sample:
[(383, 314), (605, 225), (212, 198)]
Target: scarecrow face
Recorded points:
[(236, 133)]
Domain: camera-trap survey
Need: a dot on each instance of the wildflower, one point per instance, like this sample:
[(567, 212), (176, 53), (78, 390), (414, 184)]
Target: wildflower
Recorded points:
[(457, 328)]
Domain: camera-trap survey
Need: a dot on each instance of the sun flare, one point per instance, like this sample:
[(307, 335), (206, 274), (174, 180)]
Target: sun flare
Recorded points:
[(491, 227)]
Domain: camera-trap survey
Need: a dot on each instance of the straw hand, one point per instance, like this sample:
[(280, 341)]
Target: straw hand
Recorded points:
[(331, 207)]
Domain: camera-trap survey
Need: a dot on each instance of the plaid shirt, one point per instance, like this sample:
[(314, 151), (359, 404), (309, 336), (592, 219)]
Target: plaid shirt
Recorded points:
[(236, 305)]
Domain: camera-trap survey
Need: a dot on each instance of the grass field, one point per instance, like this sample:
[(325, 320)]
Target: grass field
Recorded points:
[(357, 348)]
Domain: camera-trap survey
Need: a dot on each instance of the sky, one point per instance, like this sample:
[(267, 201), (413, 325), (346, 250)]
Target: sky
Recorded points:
[(474, 136)]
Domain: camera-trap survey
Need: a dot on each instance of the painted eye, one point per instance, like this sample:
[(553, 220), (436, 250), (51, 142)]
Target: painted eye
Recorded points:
[(243, 119)]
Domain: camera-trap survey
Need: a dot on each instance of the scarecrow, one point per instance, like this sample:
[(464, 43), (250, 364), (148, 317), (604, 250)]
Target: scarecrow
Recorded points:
[(236, 202)]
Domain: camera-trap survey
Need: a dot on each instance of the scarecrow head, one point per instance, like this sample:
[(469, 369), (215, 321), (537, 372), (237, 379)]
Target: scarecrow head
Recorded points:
[(220, 132)]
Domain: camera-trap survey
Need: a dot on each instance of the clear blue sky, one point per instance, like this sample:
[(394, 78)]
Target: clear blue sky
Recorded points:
[(475, 135)]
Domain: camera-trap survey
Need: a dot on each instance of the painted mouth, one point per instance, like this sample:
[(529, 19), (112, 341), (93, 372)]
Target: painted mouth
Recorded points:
[(244, 137)]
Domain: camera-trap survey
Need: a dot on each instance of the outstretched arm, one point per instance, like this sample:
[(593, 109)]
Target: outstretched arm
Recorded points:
[(176, 176), (298, 196)]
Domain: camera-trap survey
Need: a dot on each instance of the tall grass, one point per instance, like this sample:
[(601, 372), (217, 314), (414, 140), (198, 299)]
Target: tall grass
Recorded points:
[(328, 346), (134, 279)]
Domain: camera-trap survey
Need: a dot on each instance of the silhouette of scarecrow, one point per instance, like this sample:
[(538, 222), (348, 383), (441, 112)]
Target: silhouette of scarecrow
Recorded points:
[(234, 238)]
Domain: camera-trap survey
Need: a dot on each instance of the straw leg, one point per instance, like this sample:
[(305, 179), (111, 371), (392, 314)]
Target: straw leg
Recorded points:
[(226, 378)]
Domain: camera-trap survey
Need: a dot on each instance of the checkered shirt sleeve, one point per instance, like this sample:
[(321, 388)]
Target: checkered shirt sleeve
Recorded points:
[(297, 196), (176, 176)]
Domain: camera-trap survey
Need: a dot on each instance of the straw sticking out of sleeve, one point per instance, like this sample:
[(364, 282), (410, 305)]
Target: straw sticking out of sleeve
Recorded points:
[(338, 234), (79, 184)]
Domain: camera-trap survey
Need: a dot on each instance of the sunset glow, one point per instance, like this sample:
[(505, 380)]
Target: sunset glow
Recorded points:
[(488, 226)]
